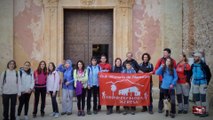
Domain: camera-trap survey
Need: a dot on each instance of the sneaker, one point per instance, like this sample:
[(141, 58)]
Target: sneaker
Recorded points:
[(52, 114), (160, 111), (133, 112), (185, 112), (180, 111), (34, 115), (89, 112), (17, 117), (26, 117), (118, 111), (79, 113), (63, 113), (95, 112), (69, 113), (56, 115), (125, 112), (151, 112), (143, 110), (42, 114), (172, 115), (108, 112), (82, 113)]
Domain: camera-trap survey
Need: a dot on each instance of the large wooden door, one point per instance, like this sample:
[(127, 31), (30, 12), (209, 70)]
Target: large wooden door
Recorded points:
[(84, 29)]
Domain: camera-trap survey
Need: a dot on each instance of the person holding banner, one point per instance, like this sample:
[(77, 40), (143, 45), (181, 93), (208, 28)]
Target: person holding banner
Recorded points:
[(118, 68), (106, 67), (129, 70), (93, 85), (147, 67), (169, 79), (133, 62), (80, 84)]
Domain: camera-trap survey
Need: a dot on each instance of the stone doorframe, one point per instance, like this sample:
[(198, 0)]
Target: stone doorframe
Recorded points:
[(54, 24)]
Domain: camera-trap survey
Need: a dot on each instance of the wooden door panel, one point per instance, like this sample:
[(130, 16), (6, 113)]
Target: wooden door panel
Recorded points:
[(76, 26), (101, 29), (84, 28), (76, 35)]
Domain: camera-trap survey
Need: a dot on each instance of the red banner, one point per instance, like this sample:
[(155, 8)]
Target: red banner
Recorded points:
[(124, 89)]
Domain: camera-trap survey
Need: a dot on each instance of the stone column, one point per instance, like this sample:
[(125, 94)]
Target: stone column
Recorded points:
[(123, 30), (51, 30)]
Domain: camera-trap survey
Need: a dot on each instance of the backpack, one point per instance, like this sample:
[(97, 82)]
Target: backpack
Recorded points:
[(4, 78), (206, 70), (186, 73), (90, 66)]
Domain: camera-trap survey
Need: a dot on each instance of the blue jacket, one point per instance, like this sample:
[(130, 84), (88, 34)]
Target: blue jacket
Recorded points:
[(199, 77), (93, 75), (68, 76), (131, 71), (167, 78)]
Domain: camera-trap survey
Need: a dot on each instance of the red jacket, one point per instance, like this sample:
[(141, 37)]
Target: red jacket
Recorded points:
[(182, 78), (162, 61), (105, 67), (40, 79)]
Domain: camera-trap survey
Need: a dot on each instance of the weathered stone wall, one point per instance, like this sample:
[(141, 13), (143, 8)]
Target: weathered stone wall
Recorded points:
[(156, 25), (198, 28), (6, 33)]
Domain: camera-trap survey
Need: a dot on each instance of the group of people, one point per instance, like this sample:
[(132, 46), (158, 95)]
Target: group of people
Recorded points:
[(174, 80)]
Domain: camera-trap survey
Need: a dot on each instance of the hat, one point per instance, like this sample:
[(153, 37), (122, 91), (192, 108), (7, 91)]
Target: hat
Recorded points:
[(197, 54), (68, 61)]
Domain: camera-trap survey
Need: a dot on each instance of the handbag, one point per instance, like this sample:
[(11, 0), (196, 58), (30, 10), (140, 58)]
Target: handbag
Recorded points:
[(79, 86)]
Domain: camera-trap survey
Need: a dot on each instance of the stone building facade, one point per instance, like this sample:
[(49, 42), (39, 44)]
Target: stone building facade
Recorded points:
[(34, 29)]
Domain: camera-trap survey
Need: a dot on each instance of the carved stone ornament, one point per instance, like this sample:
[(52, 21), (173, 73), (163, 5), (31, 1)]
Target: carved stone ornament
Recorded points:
[(51, 2), (88, 2), (126, 3)]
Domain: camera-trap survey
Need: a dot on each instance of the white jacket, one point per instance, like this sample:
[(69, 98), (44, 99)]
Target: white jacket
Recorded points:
[(27, 81), (53, 82), (12, 84)]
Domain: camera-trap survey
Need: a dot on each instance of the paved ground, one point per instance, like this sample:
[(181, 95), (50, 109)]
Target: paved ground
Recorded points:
[(102, 115)]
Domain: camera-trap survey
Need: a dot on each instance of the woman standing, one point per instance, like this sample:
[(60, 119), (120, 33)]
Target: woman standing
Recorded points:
[(9, 89), (67, 87), (105, 67), (40, 76), (27, 85), (53, 80), (182, 89), (169, 80), (147, 67), (80, 78), (93, 85), (118, 68)]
